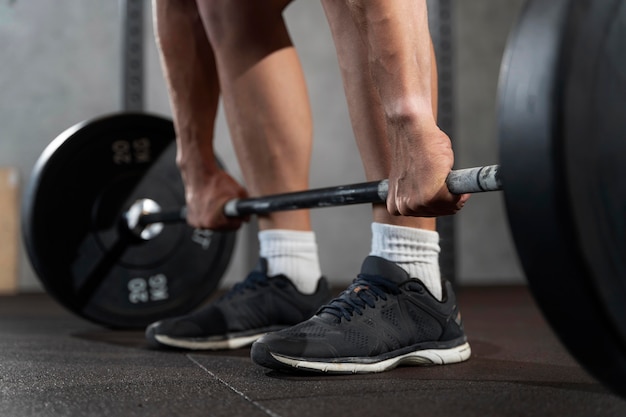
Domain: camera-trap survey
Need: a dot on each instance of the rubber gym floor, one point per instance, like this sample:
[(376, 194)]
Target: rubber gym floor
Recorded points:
[(53, 363)]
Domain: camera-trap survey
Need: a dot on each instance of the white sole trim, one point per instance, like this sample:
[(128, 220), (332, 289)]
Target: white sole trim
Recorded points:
[(223, 344), (422, 357)]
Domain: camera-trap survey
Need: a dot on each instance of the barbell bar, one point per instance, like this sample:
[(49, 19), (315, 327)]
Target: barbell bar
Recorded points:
[(460, 181)]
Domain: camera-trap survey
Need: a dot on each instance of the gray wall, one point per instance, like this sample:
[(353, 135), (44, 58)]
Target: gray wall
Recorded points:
[(485, 251), (61, 64)]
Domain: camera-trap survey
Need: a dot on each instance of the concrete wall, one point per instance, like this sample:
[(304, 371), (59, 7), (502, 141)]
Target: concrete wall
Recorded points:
[(61, 64), (485, 251)]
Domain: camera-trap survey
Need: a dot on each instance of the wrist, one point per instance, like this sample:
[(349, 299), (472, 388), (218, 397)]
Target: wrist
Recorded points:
[(411, 111), (196, 169)]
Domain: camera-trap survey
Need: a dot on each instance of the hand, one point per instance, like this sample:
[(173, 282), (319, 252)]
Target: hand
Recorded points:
[(206, 197), (419, 168)]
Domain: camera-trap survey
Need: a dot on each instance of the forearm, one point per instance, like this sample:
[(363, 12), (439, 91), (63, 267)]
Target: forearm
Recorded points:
[(189, 68), (402, 66), (400, 56)]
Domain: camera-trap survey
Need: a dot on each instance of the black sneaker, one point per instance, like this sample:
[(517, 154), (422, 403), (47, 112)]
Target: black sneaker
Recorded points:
[(384, 319), (258, 305)]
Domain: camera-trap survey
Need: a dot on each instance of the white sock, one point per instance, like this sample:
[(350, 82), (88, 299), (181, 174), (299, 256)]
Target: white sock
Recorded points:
[(414, 250), (293, 254)]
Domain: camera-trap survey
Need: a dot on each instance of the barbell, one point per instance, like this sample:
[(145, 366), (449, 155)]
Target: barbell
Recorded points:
[(99, 233), (145, 219)]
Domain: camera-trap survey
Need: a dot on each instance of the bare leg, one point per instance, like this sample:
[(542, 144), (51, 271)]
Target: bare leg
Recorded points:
[(265, 99), (392, 110), (241, 48)]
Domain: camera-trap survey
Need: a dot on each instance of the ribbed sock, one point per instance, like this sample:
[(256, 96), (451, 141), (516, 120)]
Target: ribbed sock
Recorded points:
[(414, 250), (293, 254)]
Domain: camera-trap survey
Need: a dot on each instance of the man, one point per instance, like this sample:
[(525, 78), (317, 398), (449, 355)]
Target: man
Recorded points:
[(397, 311)]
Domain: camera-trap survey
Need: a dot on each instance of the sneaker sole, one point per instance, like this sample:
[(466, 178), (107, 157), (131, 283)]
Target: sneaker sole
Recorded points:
[(262, 356), (196, 344)]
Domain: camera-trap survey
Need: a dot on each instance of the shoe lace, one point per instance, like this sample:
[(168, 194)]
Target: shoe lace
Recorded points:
[(254, 280), (364, 292)]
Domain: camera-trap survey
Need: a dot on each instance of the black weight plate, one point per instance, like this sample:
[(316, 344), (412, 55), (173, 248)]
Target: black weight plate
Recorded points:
[(594, 124), (78, 244), (537, 148)]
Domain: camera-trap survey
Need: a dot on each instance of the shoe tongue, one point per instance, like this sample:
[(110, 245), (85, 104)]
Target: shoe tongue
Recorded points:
[(374, 265), (261, 266)]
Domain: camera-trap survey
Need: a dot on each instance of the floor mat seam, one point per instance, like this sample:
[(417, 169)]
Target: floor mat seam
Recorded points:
[(232, 388)]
